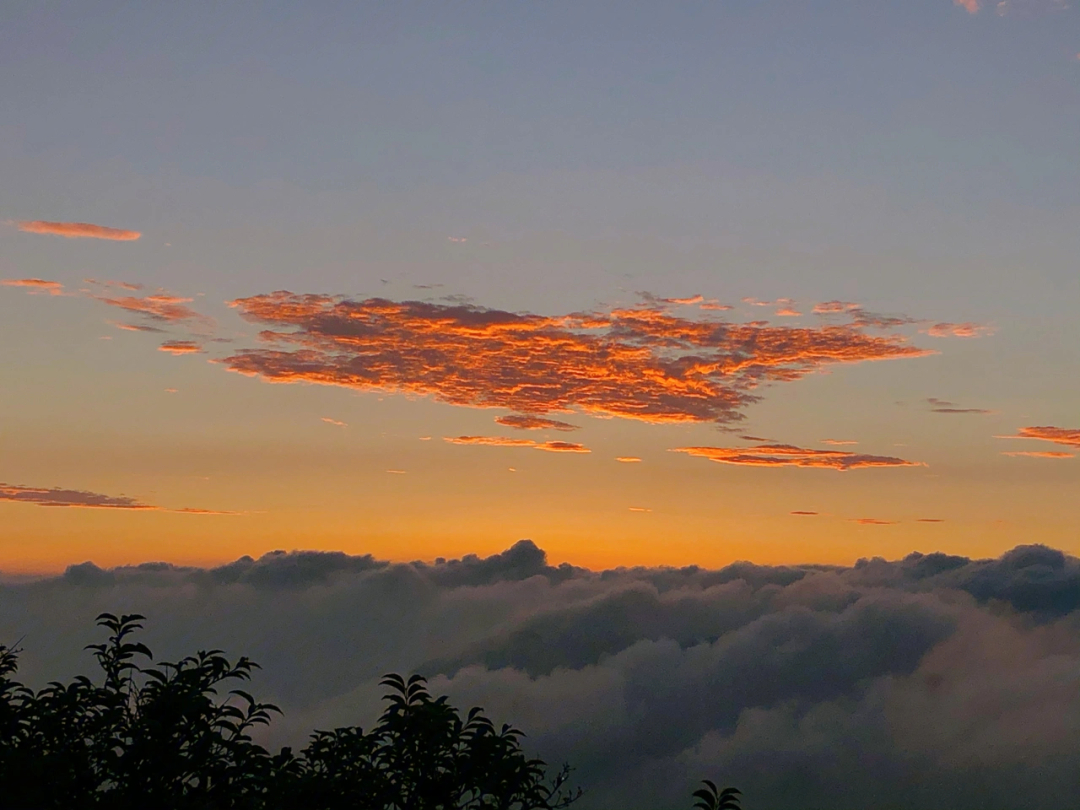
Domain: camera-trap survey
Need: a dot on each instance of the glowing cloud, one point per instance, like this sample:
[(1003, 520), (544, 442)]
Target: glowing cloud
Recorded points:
[(528, 422), (971, 6), (628, 459), (788, 455), (75, 230), (641, 363), (1070, 437), (838, 442), (179, 347), (490, 441), (1038, 453), (334, 422), (640, 509), (562, 447), (35, 285), (964, 330)]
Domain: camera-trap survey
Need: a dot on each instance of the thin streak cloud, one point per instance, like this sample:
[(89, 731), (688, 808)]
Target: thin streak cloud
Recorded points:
[(180, 347), (76, 230), (528, 422), (788, 455), (1069, 437), (35, 285)]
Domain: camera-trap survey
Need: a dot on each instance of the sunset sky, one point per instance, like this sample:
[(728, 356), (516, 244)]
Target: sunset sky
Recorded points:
[(643, 283)]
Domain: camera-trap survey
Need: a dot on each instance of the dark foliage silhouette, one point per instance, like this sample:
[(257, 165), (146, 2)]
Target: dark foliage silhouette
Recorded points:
[(165, 737)]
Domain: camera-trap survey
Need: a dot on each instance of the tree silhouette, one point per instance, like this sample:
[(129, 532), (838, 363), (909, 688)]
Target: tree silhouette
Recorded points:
[(162, 736)]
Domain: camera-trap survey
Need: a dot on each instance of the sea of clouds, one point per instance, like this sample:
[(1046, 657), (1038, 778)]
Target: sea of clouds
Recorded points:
[(931, 682)]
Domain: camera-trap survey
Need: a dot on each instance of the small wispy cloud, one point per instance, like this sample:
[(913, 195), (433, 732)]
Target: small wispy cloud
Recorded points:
[(1070, 437), (179, 347), (874, 522), (502, 441), (58, 497), (930, 520), (1038, 453), (628, 459), (35, 285), (76, 230), (640, 509), (970, 6), (839, 442), (944, 406), (803, 513), (530, 422), (962, 330), (788, 455), (562, 447), (334, 422)]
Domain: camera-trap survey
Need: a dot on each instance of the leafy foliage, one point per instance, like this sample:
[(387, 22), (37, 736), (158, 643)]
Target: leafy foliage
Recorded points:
[(174, 736)]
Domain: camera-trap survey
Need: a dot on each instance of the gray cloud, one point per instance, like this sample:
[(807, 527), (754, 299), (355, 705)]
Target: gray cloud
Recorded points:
[(935, 681)]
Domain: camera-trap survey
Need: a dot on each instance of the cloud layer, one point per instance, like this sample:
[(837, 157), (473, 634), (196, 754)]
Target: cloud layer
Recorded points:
[(935, 681), (642, 363), (74, 230), (788, 455)]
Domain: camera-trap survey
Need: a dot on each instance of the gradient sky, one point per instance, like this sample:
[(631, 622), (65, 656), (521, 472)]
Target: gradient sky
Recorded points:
[(511, 210)]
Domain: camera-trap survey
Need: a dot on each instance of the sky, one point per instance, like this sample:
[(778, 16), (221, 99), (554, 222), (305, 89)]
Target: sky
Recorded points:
[(645, 284)]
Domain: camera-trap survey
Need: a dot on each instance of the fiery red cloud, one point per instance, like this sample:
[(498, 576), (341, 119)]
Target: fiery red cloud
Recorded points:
[(180, 347), (641, 363), (562, 447), (1038, 453), (35, 285), (788, 455), (73, 230), (1070, 437), (529, 422)]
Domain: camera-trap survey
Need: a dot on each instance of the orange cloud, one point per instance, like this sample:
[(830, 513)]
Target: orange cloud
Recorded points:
[(788, 455), (563, 447), (490, 441), (874, 522), (528, 422), (628, 459), (965, 330), (35, 285), (803, 513), (334, 422), (74, 230), (641, 363), (930, 520), (132, 327), (191, 511), (640, 509), (160, 307), (1038, 453), (1070, 437), (693, 299), (838, 442), (830, 307), (786, 311), (971, 6), (179, 347)]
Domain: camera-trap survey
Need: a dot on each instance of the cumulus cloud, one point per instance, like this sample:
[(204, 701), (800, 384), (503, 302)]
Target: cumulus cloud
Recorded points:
[(1070, 437), (642, 363), (944, 406), (74, 230), (35, 285), (530, 422), (935, 681), (788, 455), (179, 347)]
